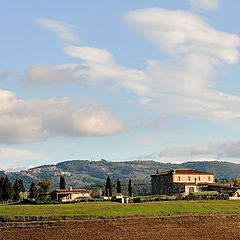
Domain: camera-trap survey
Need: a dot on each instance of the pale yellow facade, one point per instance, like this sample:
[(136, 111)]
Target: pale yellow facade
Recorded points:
[(179, 181), (193, 178)]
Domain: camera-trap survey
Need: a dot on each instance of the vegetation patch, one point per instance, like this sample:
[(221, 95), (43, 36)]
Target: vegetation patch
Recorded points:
[(84, 210)]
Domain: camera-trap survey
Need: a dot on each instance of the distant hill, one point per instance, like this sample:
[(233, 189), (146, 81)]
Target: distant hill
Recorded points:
[(89, 174)]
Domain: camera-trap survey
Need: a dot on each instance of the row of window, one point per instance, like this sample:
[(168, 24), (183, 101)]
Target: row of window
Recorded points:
[(162, 179), (169, 179), (168, 190)]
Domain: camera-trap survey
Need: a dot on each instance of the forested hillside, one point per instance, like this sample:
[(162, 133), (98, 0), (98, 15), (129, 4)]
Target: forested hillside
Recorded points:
[(90, 174)]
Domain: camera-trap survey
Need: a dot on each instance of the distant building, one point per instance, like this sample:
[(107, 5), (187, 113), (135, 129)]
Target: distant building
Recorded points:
[(180, 181), (70, 195), (225, 188), (235, 195)]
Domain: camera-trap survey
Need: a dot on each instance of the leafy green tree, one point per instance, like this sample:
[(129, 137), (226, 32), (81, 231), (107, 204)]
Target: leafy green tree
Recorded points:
[(45, 187), (62, 183), (119, 187), (130, 188), (6, 188), (108, 187), (33, 191), (237, 182), (18, 188)]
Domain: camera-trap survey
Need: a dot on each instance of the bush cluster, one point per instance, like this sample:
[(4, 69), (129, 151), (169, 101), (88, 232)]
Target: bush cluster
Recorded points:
[(196, 196)]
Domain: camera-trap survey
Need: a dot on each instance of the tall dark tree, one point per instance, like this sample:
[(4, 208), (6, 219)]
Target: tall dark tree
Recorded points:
[(1, 186), (62, 182), (108, 187), (130, 188), (33, 191), (7, 189), (18, 187), (119, 187)]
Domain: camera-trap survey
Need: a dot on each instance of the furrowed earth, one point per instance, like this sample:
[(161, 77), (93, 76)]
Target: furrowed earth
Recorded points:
[(181, 220), (189, 227)]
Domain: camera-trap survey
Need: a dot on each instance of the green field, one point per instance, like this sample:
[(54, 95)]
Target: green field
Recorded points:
[(113, 209)]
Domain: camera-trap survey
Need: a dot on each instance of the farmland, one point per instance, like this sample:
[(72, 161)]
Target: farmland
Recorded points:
[(115, 210), (212, 219)]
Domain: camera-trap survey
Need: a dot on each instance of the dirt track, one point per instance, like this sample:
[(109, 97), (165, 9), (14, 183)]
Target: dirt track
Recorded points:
[(180, 228)]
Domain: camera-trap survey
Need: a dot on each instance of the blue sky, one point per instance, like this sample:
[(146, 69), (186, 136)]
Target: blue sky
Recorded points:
[(119, 80)]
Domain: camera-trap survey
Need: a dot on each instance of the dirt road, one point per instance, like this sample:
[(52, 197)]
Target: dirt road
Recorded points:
[(179, 228)]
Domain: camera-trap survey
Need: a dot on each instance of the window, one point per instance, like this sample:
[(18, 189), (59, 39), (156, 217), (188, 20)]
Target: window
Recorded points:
[(191, 190), (189, 179), (179, 179), (199, 179), (209, 179)]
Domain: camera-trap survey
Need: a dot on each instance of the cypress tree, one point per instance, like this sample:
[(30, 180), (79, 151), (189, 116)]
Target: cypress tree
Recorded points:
[(108, 187), (62, 183), (7, 189), (119, 187), (130, 188), (33, 191), (1, 186)]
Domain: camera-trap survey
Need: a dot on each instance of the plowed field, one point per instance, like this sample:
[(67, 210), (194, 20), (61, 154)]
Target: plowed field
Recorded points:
[(217, 227)]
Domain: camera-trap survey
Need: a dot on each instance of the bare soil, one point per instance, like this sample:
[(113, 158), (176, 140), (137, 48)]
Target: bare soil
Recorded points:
[(177, 228)]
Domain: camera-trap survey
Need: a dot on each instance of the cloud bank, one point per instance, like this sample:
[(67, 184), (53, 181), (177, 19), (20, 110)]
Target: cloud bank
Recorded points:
[(229, 149), (26, 121)]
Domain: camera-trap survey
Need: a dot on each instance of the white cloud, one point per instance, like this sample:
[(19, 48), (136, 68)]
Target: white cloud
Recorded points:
[(183, 33), (25, 121), (209, 5), (64, 31), (229, 149), (184, 85)]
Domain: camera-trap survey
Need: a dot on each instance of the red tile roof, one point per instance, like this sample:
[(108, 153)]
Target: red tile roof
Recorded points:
[(183, 171), (191, 171), (68, 191)]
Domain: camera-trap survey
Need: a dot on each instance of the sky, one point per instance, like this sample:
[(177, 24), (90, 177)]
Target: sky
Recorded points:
[(119, 80)]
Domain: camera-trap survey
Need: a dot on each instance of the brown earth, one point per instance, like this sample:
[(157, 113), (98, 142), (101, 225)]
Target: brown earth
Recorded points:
[(178, 228)]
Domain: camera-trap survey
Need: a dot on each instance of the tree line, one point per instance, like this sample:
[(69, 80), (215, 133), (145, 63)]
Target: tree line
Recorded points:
[(109, 187), (16, 191)]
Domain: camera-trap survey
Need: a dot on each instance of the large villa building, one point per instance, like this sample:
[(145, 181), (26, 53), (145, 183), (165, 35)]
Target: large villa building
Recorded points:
[(180, 181)]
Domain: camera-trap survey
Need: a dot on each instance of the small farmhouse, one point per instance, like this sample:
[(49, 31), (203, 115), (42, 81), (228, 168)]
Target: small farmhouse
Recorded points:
[(70, 195), (179, 181)]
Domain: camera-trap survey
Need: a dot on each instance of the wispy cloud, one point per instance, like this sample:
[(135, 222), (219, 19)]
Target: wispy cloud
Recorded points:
[(209, 5), (25, 121), (64, 31), (184, 85)]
